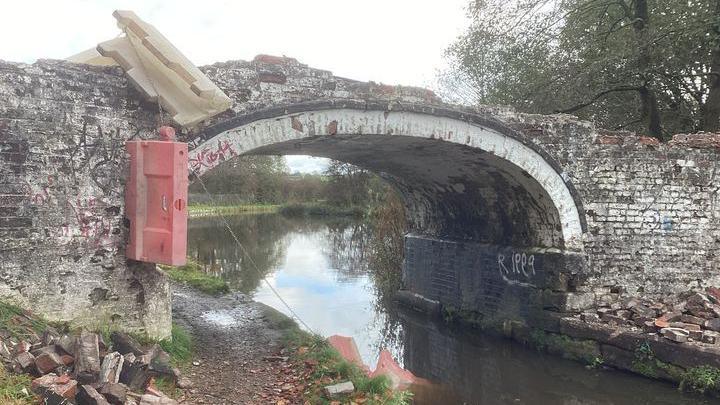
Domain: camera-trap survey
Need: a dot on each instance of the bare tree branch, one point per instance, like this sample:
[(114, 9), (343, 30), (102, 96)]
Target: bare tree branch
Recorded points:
[(598, 96)]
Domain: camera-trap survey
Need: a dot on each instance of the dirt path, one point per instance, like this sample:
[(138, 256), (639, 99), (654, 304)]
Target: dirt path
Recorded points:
[(237, 346)]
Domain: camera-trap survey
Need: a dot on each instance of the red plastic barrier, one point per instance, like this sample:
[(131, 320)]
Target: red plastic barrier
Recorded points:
[(156, 200), (387, 366), (348, 350)]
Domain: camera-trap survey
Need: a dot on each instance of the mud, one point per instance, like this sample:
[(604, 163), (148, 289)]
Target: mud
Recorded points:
[(237, 344)]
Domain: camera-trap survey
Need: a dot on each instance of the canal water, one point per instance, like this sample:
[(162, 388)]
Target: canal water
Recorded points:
[(320, 269)]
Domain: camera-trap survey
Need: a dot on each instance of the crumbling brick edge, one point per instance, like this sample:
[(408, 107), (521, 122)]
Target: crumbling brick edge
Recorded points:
[(593, 344)]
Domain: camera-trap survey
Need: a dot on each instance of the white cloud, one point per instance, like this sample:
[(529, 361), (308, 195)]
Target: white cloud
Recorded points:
[(395, 42), (306, 164)]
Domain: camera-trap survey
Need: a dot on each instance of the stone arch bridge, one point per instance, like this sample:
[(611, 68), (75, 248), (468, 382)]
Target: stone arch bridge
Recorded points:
[(511, 215)]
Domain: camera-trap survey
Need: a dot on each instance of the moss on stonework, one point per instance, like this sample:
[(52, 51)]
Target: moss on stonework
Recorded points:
[(586, 351), (471, 319), (647, 364), (702, 379)]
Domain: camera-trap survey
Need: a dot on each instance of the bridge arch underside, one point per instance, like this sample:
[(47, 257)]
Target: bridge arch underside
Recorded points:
[(451, 191), (493, 226)]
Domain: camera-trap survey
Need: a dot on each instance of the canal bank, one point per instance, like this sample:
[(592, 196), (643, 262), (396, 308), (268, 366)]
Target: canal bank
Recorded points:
[(319, 267), (690, 365), (246, 352)]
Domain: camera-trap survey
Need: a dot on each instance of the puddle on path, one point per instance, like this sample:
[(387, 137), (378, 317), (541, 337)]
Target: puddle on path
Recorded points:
[(220, 318)]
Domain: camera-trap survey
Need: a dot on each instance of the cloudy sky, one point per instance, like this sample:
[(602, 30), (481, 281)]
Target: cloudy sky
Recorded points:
[(387, 41)]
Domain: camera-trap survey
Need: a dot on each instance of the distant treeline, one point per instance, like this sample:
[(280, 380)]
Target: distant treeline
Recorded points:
[(342, 190), (266, 180)]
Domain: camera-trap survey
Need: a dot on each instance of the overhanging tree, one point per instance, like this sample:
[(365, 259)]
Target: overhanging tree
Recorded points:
[(652, 66)]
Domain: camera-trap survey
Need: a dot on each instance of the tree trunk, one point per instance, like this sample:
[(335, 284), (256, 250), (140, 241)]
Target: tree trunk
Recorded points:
[(651, 112), (711, 108), (650, 109)]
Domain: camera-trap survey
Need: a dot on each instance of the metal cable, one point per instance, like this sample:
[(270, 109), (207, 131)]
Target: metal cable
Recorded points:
[(247, 254)]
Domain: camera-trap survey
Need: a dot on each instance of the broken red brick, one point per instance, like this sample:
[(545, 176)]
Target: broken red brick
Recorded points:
[(62, 386), (332, 127), (274, 60), (609, 140), (272, 77), (47, 362), (650, 141)]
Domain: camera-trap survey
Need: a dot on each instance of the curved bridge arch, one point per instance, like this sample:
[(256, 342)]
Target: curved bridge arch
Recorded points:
[(454, 169)]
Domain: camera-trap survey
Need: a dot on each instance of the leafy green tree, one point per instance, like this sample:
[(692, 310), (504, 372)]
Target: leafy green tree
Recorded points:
[(256, 178), (652, 66), (347, 184)]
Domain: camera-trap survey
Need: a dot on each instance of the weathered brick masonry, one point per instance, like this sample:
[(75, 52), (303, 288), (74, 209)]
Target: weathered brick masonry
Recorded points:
[(62, 165), (646, 213)]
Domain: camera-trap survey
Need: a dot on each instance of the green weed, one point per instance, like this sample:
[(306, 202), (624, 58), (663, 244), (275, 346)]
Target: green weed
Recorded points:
[(179, 346), (192, 274), (19, 323), (15, 388), (702, 379)]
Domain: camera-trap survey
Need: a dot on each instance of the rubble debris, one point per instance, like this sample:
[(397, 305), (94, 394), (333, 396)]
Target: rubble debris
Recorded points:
[(87, 395), (115, 393), (111, 367), (675, 334), (25, 362), (47, 360), (135, 374), (691, 316), (87, 359), (124, 344), (710, 337), (50, 385), (81, 369), (158, 360), (67, 344), (336, 390)]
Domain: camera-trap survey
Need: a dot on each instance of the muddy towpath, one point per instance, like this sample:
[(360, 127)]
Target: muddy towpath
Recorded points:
[(237, 344)]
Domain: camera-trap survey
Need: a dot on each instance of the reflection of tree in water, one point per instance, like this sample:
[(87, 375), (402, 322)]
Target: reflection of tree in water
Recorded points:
[(266, 238), (262, 236), (348, 249), (345, 249)]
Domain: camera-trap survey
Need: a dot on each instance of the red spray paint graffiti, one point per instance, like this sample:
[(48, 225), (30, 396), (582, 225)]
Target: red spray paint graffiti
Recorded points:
[(210, 158)]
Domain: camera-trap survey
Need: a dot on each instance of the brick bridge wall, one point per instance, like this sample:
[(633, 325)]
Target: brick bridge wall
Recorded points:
[(651, 219)]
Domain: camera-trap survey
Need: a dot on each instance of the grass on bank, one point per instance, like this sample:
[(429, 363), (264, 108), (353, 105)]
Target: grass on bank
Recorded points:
[(202, 210), (179, 346), (15, 388), (193, 275), (20, 323)]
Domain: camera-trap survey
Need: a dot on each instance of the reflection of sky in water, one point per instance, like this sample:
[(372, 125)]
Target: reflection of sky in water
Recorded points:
[(315, 270), (311, 287)]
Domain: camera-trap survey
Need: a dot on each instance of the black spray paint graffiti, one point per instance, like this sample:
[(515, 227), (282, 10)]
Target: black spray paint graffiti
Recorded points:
[(102, 153)]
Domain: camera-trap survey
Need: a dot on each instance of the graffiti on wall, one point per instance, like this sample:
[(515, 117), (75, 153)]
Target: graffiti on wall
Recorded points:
[(210, 157), (518, 268)]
